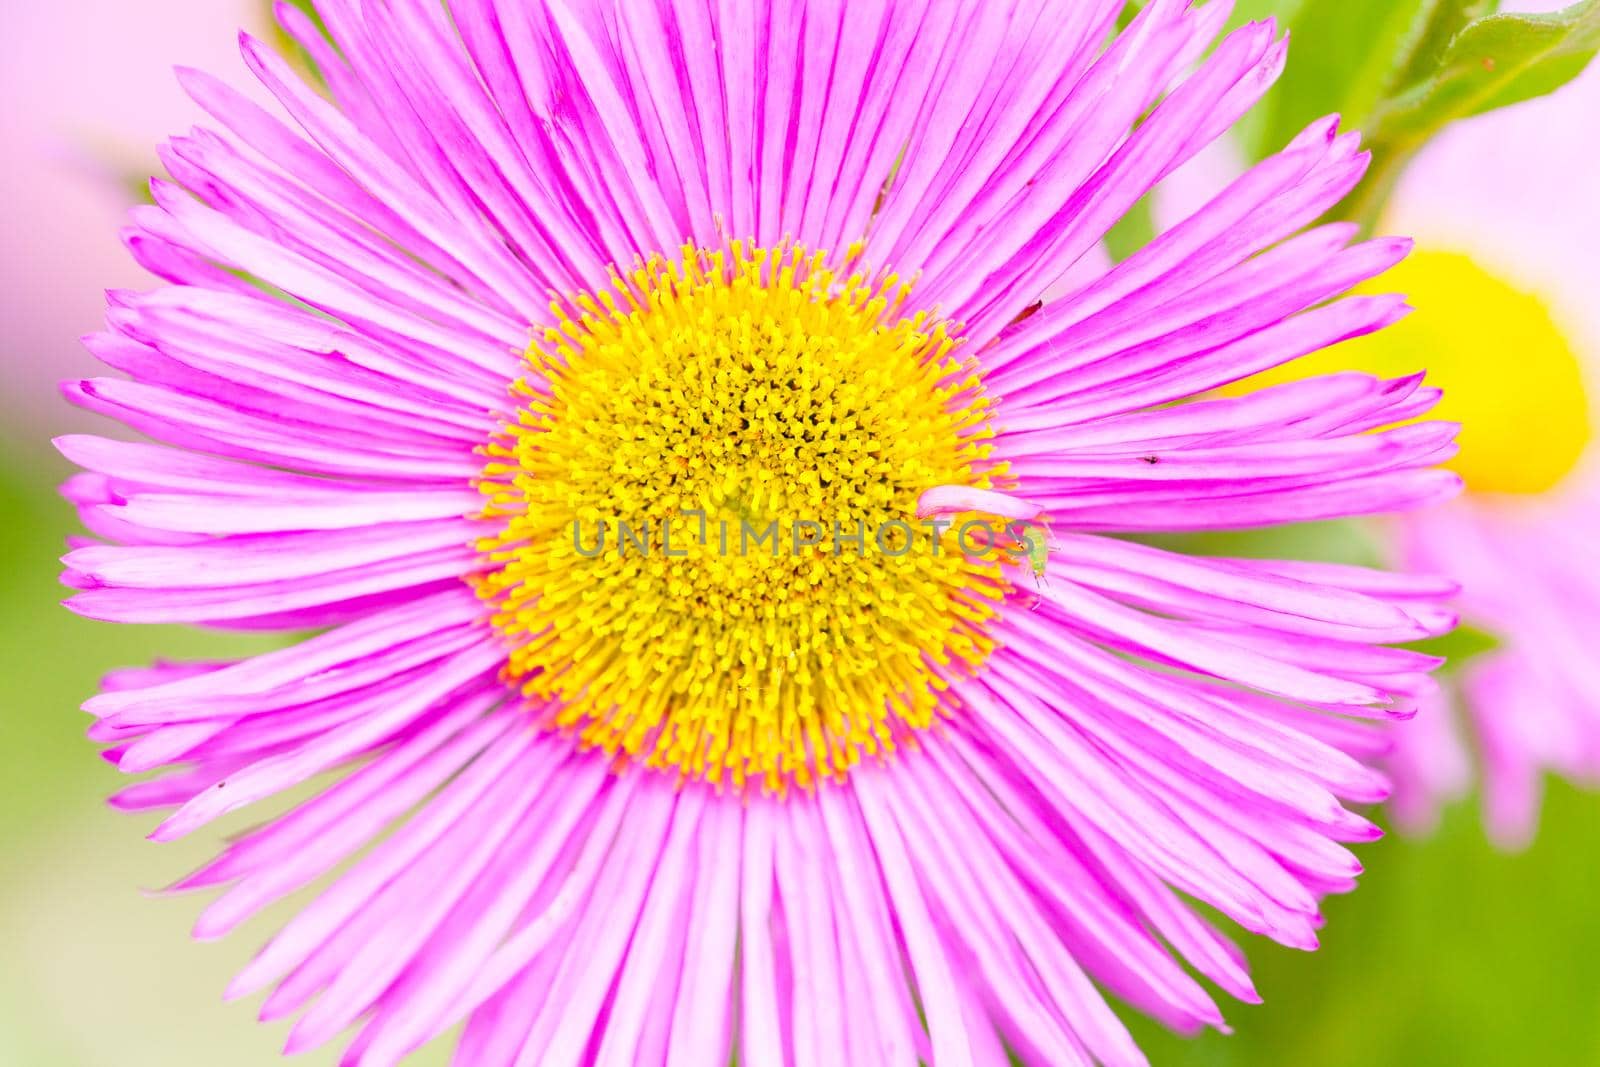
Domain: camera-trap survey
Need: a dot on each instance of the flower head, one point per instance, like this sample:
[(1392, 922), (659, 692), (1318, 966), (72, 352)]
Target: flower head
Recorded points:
[(722, 394), (493, 369), (1505, 324), (1520, 542), (1504, 198)]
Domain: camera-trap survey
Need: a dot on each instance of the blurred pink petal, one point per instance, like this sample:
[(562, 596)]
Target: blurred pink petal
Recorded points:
[(89, 89)]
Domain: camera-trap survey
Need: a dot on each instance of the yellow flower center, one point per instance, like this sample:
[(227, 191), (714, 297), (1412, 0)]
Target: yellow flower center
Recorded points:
[(1509, 375), (709, 558)]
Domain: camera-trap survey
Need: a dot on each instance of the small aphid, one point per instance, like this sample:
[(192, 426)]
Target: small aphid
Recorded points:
[(1038, 547)]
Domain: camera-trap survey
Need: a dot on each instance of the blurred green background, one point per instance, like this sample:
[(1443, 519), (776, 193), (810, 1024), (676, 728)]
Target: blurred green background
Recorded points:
[(1451, 954)]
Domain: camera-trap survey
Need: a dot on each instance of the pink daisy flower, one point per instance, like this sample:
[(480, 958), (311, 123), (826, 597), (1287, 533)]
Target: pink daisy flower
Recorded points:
[(875, 791), (1510, 228), (1507, 228)]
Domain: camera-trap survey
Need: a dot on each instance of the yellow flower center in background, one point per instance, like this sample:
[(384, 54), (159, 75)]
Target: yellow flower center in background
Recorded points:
[(710, 559), (1509, 375)]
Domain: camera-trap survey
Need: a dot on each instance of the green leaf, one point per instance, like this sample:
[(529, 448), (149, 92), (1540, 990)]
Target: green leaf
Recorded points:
[(1344, 56), (1493, 62), (1448, 20)]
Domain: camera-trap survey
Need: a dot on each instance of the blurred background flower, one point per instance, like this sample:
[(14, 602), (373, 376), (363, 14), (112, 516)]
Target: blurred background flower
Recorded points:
[(1451, 953), (1508, 324), (1508, 223)]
